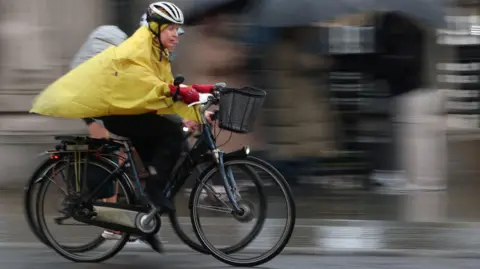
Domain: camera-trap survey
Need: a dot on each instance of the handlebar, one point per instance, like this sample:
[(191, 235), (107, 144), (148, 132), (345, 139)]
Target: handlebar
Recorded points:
[(218, 87)]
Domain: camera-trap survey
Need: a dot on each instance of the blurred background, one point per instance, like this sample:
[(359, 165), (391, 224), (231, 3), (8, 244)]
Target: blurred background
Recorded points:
[(372, 110)]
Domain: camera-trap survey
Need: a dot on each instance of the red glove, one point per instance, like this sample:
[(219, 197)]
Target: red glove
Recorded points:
[(189, 95), (203, 88)]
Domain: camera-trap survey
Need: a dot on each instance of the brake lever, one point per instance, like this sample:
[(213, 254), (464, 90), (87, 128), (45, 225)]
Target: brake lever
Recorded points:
[(210, 99), (220, 85)]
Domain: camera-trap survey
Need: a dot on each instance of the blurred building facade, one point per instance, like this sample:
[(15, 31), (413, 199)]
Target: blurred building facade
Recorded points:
[(37, 40), (39, 37)]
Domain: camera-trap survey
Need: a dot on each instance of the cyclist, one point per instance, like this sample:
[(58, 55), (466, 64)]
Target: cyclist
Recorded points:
[(99, 40), (129, 87)]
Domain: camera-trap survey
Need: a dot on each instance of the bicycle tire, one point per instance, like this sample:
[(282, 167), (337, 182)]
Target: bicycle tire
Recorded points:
[(198, 246), (130, 196), (277, 249), (29, 191), (30, 213)]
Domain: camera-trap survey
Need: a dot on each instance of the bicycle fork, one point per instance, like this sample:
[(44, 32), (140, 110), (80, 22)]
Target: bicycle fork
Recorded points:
[(228, 181)]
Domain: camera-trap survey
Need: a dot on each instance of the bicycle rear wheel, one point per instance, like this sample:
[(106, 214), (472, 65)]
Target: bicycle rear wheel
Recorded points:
[(289, 220), (45, 171), (123, 185), (30, 190), (193, 243)]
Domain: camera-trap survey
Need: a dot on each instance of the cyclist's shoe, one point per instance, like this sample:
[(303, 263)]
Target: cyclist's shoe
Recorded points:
[(114, 235), (154, 242), (111, 235)]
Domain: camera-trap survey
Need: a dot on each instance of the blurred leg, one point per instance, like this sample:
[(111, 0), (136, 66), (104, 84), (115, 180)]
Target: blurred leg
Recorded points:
[(113, 199), (158, 141), (97, 130)]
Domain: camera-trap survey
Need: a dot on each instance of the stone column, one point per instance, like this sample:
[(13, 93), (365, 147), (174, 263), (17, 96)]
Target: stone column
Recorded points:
[(23, 47), (38, 39)]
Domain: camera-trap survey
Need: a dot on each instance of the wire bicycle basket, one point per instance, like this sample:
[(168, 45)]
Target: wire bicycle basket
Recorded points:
[(238, 108)]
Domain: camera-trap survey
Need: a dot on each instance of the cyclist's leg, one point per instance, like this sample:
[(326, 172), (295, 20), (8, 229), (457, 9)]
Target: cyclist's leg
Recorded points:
[(97, 130), (158, 141), (166, 152), (112, 199)]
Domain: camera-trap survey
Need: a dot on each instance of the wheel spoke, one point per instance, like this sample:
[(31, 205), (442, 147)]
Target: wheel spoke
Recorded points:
[(217, 196), (216, 208), (55, 183)]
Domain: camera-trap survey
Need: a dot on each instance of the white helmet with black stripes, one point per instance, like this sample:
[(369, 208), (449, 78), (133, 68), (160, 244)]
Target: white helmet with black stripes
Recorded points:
[(164, 13), (143, 22)]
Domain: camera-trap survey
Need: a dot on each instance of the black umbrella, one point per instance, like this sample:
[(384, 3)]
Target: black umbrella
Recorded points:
[(201, 9), (429, 12), (290, 13), (287, 13)]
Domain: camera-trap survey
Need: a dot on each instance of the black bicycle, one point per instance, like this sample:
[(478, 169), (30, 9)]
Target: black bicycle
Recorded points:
[(78, 157)]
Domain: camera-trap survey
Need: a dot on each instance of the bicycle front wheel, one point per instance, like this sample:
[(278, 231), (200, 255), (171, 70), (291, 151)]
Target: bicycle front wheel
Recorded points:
[(187, 235), (263, 254)]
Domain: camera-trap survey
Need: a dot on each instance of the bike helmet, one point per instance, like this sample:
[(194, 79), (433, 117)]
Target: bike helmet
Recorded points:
[(164, 13), (143, 22), (161, 14)]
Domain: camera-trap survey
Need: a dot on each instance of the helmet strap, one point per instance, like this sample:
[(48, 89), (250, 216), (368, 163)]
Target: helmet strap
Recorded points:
[(157, 36)]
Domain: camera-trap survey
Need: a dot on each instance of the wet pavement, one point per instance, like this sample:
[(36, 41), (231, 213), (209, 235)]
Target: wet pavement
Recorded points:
[(317, 231), (334, 229), (45, 259)]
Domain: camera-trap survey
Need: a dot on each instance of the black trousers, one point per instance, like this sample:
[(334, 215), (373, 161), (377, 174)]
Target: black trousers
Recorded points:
[(159, 142)]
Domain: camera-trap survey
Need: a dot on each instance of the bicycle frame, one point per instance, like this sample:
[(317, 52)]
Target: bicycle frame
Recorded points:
[(196, 156), (184, 167)]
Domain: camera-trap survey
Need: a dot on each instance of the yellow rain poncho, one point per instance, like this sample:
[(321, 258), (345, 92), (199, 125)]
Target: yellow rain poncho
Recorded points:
[(126, 80)]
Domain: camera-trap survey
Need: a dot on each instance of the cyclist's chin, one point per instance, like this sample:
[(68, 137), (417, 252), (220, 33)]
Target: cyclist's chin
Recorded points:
[(171, 47)]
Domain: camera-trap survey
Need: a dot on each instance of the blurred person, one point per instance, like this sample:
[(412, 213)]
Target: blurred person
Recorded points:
[(130, 88), (254, 44)]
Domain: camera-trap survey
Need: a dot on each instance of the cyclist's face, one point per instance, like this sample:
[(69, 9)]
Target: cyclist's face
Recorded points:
[(169, 37)]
